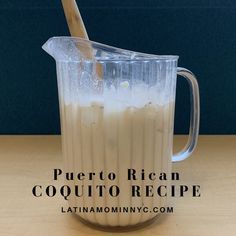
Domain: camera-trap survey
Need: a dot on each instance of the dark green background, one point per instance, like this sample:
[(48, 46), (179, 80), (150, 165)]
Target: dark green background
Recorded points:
[(202, 33)]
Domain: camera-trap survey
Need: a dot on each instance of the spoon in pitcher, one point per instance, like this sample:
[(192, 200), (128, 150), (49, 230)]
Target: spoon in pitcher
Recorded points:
[(77, 28)]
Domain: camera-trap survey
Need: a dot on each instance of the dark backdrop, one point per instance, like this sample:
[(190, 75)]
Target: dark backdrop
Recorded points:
[(202, 33)]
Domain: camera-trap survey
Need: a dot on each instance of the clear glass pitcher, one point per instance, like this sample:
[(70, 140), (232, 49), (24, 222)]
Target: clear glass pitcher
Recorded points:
[(117, 118)]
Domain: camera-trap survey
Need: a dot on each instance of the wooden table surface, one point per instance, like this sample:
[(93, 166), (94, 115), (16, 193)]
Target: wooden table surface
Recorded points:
[(29, 160)]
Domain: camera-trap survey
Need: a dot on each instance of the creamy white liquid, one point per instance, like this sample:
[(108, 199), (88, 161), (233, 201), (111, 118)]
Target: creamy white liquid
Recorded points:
[(98, 138)]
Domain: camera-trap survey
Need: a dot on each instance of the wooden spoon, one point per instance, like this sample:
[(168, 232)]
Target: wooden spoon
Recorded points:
[(77, 29), (74, 19)]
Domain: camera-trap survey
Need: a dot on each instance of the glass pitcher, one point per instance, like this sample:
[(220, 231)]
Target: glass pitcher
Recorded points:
[(117, 118)]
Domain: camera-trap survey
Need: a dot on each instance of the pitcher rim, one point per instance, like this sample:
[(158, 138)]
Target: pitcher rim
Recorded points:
[(135, 56)]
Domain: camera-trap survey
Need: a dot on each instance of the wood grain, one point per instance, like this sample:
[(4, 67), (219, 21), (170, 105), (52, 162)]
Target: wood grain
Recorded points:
[(29, 160)]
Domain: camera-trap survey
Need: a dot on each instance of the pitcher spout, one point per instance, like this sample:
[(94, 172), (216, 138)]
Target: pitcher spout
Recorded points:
[(62, 49)]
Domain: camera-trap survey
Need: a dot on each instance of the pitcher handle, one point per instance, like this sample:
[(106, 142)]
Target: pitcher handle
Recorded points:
[(194, 115)]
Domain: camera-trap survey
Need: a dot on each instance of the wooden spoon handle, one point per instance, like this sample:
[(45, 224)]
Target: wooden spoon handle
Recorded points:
[(74, 19), (77, 29)]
